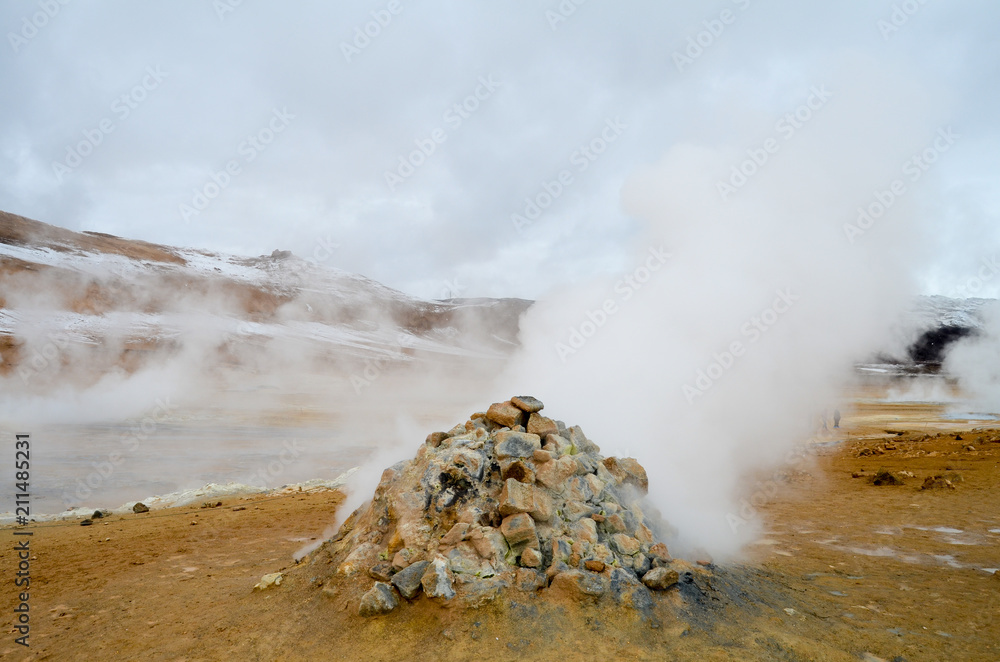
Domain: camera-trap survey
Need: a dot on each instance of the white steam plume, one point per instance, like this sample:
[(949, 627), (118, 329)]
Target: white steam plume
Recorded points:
[(657, 373)]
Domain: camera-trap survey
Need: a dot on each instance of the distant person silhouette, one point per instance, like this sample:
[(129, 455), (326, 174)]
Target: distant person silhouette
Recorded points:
[(836, 418)]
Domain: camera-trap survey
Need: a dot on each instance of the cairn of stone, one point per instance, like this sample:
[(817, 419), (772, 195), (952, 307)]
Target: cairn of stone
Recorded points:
[(509, 501)]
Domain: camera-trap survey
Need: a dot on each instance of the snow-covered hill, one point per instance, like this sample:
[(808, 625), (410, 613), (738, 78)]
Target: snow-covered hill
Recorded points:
[(62, 293)]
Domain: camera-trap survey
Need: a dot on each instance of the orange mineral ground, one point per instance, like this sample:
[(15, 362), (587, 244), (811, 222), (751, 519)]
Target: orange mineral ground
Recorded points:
[(845, 570)]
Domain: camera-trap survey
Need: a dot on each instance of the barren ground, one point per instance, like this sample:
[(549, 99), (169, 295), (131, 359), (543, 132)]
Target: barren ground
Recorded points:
[(845, 571)]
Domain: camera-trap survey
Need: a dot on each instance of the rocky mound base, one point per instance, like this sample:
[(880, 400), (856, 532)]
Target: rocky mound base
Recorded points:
[(510, 500)]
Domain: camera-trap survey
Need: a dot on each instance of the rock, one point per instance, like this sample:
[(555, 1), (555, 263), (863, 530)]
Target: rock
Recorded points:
[(529, 580), (437, 580), (594, 565), (490, 544), (527, 403), (541, 505), (518, 530), (627, 471), (886, 477), (542, 426), (578, 584), (577, 489), (641, 564), (557, 444), (541, 456), (595, 484), (360, 557), (937, 483), (98, 514), (505, 414), (434, 439), (464, 560), (382, 571), (585, 530), (531, 558), (267, 581), (628, 591), (478, 592), (140, 508), (518, 470), (554, 474), (575, 510), (516, 497), (406, 557), (624, 544), (580, 442), (455, 535), (660, 579), (659, 551), (516, 444), (614, 524), (381, 599), (86, 522), (407, 581), (643, 534)]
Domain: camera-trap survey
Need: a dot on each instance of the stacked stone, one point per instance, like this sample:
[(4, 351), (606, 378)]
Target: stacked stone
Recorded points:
[(509, 500)]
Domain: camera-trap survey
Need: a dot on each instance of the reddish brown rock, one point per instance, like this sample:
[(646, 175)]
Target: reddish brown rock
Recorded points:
[(516, 497), (627, 471), (542, 426), (434, 439), (518, 529), (506, 414)]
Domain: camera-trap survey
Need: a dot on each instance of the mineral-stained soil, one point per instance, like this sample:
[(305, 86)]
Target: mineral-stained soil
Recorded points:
[(844, 570)]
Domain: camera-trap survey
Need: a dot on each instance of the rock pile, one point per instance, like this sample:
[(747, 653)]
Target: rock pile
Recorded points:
[(511, 500)]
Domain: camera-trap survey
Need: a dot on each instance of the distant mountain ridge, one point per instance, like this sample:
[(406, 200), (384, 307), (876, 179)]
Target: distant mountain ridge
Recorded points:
[(92, 289)]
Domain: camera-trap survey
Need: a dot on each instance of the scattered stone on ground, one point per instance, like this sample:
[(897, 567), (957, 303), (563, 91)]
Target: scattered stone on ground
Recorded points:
[(509, 501), (885, 477), (269, 580), (140, 508), (937, 483)]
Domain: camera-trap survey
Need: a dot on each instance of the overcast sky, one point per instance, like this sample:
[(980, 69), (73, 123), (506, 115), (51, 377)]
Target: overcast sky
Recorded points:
[(118, 115)]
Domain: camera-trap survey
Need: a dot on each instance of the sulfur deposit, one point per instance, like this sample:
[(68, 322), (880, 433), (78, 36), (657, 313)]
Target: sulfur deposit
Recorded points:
[(509, 501)]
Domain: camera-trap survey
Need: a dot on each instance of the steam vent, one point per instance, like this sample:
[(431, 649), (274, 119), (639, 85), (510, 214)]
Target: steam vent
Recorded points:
[(511, 501)]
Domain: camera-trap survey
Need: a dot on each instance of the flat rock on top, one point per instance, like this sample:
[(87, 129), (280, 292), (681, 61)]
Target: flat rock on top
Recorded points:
[(527, 403)]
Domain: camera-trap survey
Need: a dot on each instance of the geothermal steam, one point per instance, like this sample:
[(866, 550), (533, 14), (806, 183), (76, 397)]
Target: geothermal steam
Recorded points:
[(718, 359)]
